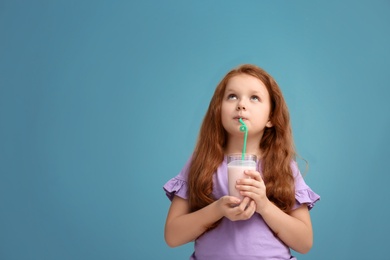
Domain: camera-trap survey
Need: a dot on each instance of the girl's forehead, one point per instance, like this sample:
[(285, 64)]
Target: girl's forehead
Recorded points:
[(245, 82)]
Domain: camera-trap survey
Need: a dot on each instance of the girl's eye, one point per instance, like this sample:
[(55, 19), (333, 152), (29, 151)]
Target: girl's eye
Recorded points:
[(231, 96), (255, 98)]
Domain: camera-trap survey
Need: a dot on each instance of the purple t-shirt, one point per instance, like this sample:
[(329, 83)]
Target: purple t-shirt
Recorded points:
[(246, 239)]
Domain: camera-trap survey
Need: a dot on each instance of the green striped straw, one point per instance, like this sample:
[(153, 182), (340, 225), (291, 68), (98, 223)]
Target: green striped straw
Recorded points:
[(243, 128)]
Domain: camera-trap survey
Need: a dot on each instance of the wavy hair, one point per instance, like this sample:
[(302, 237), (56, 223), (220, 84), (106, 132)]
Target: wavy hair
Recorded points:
[(276, 145)]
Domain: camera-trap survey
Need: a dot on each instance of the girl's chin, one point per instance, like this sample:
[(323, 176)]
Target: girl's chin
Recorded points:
[(236, 134)]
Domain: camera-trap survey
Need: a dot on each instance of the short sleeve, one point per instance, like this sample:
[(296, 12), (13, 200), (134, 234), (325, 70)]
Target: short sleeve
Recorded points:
[(303, 193), (178, 185)]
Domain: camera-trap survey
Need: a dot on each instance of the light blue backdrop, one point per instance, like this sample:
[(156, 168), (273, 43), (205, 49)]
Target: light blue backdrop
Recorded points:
[(101, 103)]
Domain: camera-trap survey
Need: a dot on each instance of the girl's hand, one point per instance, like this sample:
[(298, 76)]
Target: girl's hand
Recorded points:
[(254, 188), (234, 209)]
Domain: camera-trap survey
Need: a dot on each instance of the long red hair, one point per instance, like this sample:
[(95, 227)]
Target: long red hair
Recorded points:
[(276, 145)]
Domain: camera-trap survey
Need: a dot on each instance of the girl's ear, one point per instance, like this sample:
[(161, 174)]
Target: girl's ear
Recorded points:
[(269, 124)]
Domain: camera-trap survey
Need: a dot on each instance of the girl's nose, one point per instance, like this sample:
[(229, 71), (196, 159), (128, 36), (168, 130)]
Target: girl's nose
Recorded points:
[(240, 107)]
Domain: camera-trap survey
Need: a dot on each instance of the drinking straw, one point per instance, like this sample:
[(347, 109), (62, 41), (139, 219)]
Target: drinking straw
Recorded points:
[(243, 128)]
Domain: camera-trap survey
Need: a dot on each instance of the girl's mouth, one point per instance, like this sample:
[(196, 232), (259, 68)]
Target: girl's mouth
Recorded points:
[(237, 118)]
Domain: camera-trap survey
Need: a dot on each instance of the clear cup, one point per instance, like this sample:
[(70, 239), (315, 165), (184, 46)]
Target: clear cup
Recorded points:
[(236, 167)]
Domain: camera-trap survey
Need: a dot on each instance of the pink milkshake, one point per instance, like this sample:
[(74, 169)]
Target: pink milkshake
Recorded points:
[(236, 168)]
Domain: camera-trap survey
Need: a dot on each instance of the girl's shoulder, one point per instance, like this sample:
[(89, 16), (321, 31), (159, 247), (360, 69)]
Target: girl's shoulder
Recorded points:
[(183, 174), (298, 178)]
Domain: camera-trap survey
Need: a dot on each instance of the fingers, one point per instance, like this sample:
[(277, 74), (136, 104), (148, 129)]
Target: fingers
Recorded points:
[(244, 210), (253, 188), (255, 180), (242, 206), (234, 209), (231, 200), (254, 175), (249, 185)]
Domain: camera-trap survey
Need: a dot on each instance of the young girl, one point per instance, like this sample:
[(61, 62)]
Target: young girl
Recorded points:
[(273, 215)]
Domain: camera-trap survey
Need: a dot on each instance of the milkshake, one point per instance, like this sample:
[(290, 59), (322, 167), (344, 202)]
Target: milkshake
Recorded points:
[(236, 167)]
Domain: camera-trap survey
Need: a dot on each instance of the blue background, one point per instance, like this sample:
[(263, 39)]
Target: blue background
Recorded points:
[(101, 103)]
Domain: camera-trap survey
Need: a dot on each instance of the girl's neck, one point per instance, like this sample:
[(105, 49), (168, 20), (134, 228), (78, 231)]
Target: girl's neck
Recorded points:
[(235, 145)]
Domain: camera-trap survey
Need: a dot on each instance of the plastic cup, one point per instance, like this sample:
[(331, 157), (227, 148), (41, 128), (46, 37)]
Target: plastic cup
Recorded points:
[(237, 164)]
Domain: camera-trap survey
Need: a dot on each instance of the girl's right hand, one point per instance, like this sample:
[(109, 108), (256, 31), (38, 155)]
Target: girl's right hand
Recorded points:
[(234, 210)]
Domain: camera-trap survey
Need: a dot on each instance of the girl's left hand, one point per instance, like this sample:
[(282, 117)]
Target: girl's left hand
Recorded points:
[(253, 188)]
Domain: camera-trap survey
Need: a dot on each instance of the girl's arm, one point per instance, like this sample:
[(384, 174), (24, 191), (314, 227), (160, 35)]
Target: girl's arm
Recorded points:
[(294, 229), (182, 226)]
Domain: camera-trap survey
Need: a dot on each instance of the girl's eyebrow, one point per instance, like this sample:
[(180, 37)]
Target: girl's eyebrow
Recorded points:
[(229, 89), (257, 93)]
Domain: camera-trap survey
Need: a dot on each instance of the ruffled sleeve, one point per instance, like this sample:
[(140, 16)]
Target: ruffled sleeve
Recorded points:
[(303, 193), (307, 197), (178, 185)]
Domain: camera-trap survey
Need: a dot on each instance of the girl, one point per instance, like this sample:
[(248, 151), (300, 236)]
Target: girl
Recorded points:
[(274, 214)]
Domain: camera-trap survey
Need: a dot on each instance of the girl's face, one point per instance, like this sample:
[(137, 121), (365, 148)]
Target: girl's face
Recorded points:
[(245, 97)]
